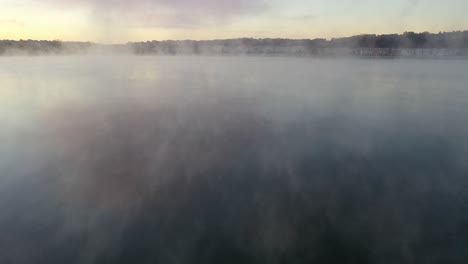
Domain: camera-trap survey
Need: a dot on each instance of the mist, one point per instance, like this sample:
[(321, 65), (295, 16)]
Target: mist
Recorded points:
[(407, 45), (227, 159)]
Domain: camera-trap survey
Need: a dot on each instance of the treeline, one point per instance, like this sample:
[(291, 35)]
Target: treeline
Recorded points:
[(408, 40), (407, 44), (229, 46), (43, 47)]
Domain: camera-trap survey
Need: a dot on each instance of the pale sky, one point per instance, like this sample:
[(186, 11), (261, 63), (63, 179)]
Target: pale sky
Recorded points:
[(119, 21)]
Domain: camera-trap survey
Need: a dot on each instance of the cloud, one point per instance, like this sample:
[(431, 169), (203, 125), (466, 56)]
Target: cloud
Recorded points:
[(168, 13)]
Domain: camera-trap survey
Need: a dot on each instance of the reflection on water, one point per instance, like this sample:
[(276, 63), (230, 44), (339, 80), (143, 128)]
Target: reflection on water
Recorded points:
[(233, 160)]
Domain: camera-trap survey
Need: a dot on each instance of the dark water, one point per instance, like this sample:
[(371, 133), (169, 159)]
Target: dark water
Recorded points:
[(233, 160)]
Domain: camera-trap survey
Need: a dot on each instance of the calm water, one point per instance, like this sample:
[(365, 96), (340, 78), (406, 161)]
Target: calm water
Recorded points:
[(233, 160)]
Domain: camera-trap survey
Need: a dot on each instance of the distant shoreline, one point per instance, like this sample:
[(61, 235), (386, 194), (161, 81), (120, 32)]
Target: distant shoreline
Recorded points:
[(409, 44), (330, 53)]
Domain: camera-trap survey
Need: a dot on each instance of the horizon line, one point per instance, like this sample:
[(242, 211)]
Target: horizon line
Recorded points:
[(221, 39)]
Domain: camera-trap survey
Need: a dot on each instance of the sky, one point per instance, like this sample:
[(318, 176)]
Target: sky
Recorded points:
[(120, 21)]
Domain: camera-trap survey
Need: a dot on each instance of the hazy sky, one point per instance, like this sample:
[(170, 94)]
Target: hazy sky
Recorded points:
[(114, 21)]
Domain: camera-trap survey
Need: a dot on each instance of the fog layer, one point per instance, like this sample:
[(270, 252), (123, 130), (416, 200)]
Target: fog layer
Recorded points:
[(233, 160)]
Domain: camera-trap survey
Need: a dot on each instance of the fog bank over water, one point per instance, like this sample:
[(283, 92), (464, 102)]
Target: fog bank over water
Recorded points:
[(408, 44), (141, 159)]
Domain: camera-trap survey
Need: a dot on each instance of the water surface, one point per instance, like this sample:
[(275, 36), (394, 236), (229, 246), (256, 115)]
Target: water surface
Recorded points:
[(233, 160)]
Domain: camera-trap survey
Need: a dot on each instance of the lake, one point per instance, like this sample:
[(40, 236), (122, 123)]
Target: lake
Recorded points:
[(131, 159)]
